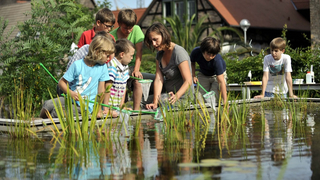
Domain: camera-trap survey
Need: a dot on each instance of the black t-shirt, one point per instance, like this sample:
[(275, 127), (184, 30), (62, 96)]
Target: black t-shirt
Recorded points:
[(216, 66)]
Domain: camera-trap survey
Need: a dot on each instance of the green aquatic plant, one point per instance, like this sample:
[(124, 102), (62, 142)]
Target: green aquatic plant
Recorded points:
[(21, 112), (71, 122)]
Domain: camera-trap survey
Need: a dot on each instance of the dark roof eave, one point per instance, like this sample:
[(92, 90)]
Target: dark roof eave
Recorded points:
[(266, 28)]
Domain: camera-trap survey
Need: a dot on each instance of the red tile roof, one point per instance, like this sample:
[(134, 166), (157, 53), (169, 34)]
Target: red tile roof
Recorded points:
[(261, 13), (139, 12)]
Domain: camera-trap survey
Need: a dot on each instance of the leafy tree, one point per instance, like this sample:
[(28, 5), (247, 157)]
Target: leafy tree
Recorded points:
[(103, 4), (45, 38)]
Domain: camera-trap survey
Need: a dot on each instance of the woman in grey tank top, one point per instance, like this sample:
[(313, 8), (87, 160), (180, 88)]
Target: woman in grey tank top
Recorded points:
[(172, 64)]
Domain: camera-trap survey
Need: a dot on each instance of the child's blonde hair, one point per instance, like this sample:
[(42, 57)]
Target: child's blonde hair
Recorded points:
[(278, 43), (127, 17), (100, 44)]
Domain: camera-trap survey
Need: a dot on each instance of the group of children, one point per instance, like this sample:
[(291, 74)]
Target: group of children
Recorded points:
[(109, 58)]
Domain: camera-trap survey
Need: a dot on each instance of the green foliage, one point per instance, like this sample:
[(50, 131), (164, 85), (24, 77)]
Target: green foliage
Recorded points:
[(237, 70), (184, 32), (103, 4), (45, 38), (149, 65)]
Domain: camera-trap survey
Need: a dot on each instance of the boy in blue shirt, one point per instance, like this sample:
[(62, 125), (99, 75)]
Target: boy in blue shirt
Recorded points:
[(86, 76), (212, 75)]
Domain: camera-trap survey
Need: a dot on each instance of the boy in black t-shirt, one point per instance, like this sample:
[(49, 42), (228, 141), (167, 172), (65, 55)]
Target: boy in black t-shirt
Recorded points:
[(212, 75)]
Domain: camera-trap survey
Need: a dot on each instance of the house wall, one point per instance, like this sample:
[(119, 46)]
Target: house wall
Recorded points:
[(260, 37), (154, 14)]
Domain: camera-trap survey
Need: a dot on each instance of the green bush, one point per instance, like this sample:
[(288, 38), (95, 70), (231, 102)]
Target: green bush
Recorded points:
[(45, 38)]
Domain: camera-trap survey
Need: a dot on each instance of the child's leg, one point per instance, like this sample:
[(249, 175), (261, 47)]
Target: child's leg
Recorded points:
[(137, 95), (49, 106), (137, 90), (215, 84), (205, 82)]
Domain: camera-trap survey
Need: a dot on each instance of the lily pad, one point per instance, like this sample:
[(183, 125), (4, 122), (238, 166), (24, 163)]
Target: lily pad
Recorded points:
[(211, 161), (30, 163), (234, 169), (15, 165), (188, 165), (2, 163), (230, 163), (210, 164)]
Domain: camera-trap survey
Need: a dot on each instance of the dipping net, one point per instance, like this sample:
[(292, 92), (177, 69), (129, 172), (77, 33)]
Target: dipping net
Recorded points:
[(145, 83), (210, 97)]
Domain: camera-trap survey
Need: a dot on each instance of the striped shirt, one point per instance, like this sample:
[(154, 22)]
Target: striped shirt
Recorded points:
[(119, 74)]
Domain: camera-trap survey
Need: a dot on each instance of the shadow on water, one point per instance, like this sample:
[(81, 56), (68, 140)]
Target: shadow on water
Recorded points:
[(268, 144)]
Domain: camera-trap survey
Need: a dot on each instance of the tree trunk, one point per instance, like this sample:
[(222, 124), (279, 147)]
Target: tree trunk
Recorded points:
[(315, 23)]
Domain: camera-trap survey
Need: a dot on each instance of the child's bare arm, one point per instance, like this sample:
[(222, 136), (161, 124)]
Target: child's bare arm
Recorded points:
[(107, 95), (101, 88), (265, 79), (193, 68), (136, 72), (223, 87), (289, 83), (123, 98), (63, 85)]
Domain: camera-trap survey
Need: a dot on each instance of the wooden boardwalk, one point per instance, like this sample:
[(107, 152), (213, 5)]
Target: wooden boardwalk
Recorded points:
[(48, 124)]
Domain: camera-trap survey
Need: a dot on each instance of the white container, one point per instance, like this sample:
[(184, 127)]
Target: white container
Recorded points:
[(312, 77), (249, 75), (308, 78)]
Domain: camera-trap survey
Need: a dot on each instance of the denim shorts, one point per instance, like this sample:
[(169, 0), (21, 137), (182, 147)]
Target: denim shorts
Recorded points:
[(270, 94)]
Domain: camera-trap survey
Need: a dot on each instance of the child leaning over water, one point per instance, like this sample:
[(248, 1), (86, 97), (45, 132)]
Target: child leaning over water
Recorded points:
[(277, 71), (128, 29), (212, 75), (86, 76), (119, 74)]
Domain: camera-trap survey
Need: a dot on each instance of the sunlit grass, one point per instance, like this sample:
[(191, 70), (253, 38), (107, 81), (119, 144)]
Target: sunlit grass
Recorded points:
[(21, 112)]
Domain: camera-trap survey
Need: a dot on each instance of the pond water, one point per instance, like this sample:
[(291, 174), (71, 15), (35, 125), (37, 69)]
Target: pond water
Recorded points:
[(269, 145)]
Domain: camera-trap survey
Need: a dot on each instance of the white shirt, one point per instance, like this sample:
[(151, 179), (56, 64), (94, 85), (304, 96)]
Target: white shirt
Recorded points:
[(277, 69)]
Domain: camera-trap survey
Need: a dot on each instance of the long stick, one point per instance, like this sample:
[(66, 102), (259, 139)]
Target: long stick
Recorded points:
[(48, 72), (202, 87), (116, 108), (135, 78)]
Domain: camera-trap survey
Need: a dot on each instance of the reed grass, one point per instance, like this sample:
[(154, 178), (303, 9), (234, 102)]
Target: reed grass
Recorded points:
[(21, 112)]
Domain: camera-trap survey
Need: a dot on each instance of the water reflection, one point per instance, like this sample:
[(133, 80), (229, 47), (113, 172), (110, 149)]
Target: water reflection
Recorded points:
[(270, 145)]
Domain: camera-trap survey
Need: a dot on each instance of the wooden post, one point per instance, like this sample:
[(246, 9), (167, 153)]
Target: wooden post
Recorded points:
[(315, 23)]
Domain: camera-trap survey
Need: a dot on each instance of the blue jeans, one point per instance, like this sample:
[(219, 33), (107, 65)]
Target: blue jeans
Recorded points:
[(269, 94)]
